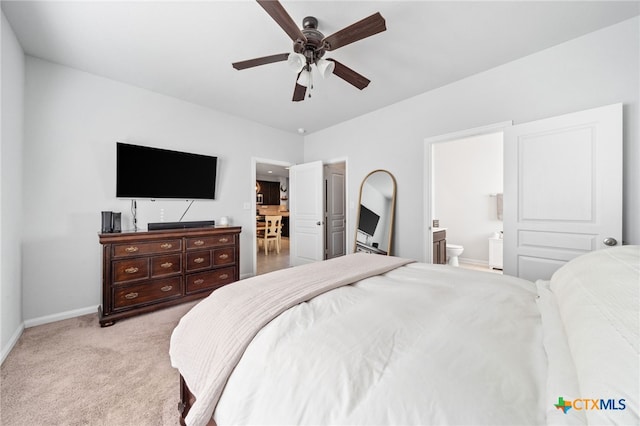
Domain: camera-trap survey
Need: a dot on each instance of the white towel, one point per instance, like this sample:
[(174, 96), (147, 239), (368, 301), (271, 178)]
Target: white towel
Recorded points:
[(499, 205)]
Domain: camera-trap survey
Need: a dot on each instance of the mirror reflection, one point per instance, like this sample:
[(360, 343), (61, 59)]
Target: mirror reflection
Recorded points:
[(375, 213)]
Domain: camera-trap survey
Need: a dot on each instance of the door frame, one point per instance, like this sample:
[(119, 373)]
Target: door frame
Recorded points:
[(254, 162), (428, 174)]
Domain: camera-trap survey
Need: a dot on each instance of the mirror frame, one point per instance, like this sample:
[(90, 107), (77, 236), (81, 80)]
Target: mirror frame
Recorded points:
[(393, 209)]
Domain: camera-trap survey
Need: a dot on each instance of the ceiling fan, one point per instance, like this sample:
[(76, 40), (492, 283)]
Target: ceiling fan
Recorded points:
[(310, 45)]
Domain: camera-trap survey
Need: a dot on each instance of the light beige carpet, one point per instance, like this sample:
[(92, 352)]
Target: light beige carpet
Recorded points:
[(73, 372)]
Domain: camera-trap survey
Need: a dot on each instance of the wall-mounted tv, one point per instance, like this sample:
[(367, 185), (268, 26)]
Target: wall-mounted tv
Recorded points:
[(368, 221), (145, 172)]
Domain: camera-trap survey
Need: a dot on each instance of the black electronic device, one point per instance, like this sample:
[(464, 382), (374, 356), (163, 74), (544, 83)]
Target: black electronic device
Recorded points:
[(146, 172), (180, 225), (111, 222), (106, 222), (368, 221), (116, 221)]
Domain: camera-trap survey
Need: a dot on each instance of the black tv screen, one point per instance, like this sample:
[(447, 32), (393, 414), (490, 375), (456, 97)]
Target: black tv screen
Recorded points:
[(368, 221), (145, 172)]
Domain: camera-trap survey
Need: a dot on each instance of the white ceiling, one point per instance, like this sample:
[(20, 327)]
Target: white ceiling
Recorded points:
[(273, 170), (185, 49)]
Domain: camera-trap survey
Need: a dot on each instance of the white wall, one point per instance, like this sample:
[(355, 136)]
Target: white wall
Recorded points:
[(73, 120), (598, 69), (12, 87), (466, 172)]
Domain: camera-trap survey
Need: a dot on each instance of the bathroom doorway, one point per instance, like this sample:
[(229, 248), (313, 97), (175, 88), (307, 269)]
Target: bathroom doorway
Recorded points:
[(464, 198)]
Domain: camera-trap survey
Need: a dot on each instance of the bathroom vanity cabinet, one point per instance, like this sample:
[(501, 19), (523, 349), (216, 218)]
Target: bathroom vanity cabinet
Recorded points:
[(440, 247)]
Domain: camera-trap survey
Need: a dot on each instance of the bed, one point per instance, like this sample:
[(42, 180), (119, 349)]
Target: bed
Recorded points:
[(367, 339)]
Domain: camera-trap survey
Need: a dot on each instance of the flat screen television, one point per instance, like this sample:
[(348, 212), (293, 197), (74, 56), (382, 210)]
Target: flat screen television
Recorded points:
[(368, 221), (145, 172)]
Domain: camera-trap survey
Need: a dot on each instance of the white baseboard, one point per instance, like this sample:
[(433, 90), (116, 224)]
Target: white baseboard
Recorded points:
[(473, 261), (60, 316), (12, 342)]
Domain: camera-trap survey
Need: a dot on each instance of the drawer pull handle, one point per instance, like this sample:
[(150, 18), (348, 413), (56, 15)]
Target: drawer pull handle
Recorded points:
[(131, 249), (198, 260), (166, 288), (166, 246), (167, 265), (131, 270), (198, 281), (198, 243), (223, 240), (223, 276), (130, 296), (223, 256)]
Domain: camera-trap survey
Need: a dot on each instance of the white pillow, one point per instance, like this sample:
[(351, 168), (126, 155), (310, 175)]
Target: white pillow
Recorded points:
[(598, 301)]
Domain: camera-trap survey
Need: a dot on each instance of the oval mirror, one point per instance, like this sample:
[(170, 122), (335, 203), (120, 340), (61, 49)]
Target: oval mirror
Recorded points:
[(374, 229)]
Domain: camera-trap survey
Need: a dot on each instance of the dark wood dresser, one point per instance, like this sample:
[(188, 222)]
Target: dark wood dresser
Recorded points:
[(145, 271)]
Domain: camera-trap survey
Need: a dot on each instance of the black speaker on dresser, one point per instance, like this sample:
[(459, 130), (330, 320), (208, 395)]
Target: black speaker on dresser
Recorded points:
[(111, 222), (106, 222), (116, 222)]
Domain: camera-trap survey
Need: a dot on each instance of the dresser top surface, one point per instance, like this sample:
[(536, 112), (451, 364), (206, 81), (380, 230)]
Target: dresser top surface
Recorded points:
[(106, 238)]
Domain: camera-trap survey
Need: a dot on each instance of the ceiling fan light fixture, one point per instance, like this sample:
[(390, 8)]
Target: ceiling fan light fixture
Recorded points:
[(296, 61), (325, 67), (305, 78)]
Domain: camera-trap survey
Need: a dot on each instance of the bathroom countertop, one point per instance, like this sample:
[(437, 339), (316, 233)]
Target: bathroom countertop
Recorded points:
[(438, 229)]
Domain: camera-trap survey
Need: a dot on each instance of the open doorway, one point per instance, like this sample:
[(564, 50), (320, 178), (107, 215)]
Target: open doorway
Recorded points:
[(271, 199), (464, 198), (273, 180)]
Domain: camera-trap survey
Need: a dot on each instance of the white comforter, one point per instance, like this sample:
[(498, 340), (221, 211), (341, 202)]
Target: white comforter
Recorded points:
[(444, 347)]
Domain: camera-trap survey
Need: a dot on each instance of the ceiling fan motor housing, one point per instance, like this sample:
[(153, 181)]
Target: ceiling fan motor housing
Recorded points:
[(313, 49)]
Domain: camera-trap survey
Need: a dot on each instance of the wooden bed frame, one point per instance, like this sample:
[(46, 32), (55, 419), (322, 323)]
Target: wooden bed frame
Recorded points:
[(186, 401)]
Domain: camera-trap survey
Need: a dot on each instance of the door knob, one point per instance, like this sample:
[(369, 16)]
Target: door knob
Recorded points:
[(318, 223), (610, 241)]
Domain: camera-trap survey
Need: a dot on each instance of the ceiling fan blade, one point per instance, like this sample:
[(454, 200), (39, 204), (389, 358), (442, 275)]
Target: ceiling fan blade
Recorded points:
[(280, 15), (260, 61), (367, 27), (349, 75), (299, 92)]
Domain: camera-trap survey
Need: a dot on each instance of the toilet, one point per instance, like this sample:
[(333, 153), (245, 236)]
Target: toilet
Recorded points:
[(453, 251)]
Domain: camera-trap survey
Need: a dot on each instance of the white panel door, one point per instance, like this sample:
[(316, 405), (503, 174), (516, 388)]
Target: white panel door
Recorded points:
[(562, 190), (336, 214), (306, 213)]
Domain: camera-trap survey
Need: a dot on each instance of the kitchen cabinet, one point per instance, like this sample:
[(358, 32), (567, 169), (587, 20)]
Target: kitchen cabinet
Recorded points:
[(270, 192)]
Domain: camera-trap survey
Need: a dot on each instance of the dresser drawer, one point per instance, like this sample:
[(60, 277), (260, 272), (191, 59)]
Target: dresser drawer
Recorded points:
[(130, 270), (213, 241), (199, 260), (210, 279), (149, 291), (225, 256), (142, 248), (166, 265)]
